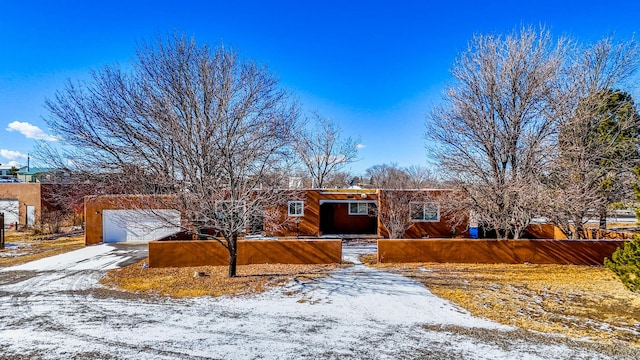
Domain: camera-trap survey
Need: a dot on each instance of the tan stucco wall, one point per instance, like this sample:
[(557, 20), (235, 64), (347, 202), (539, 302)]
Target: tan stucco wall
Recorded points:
[(210, 252), (578, 252), (26, 194)]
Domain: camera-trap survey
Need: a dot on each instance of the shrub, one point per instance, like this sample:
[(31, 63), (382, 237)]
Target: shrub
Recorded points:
[(625, 262)]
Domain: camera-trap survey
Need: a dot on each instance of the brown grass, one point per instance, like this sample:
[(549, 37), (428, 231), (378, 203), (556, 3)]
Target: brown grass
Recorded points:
[(180, 282), (578, 301), (21, 248)]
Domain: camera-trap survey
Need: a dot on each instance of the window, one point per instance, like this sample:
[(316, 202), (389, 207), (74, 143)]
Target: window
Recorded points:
[(296, 208), (358, 208), (255, 219), (425, 211), (230, 210)]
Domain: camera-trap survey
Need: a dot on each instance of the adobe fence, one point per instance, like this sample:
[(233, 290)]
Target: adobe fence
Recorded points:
[(184, 253), (487, 251)]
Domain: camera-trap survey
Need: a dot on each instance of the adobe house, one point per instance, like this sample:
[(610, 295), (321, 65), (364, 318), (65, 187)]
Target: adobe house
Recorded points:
[(356, 213), (318, 220), (316, 213)]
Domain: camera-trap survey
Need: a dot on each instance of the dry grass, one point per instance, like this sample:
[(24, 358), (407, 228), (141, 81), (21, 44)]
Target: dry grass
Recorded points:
[(180, 282), (578, 301), (21, 248)]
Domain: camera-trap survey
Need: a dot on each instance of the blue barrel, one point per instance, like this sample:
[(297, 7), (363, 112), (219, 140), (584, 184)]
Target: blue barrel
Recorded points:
[(473, 232)]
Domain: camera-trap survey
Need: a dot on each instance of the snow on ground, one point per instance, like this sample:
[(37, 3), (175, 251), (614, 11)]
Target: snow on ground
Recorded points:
[(14, 250), (49, 311), (98, 257)]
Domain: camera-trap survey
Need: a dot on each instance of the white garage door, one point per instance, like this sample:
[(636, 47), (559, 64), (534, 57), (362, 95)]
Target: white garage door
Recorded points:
[(10, 210), (138, 225)]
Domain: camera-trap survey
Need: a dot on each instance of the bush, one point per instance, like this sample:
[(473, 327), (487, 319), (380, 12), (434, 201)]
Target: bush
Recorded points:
[(625, 262)]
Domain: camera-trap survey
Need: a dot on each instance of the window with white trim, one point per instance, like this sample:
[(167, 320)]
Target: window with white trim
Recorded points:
[(358, 208), (296, 208), (425, 211)]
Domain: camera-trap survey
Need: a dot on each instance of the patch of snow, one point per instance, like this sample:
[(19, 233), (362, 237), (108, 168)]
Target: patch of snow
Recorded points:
[(95, 257), (14, 250)]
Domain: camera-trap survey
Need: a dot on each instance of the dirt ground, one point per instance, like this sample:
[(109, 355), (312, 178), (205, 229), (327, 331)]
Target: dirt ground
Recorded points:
[(23, 247), (578, 301)]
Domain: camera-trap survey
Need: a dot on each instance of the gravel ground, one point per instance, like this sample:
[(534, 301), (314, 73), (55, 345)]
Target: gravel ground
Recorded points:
[(356, 313)]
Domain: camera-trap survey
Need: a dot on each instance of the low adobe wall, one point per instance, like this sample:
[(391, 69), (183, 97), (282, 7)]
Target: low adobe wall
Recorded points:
[(181, 253), (578, 252)]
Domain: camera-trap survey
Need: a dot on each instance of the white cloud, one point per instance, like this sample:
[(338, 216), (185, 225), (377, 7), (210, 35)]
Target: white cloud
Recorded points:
[(360, 146), (30, 131), (13, 163), (12, 155)]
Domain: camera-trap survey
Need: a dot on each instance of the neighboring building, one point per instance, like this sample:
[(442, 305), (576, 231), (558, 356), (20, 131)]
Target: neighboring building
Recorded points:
[(25, 203), (6, 174), (21, 203), (34, 174)]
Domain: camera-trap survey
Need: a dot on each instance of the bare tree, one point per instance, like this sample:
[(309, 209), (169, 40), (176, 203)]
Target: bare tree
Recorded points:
[(421, 177), (341, 179), (199, 125), (517, 129), (392, 176), (398, 207), (597, 153), (399, 189), (597, 143), (324, 151), (493, 134), (388, 176)]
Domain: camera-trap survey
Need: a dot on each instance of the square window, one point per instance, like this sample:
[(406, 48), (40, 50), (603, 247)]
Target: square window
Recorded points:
[(425, 211), (358, 208), (296, 208)]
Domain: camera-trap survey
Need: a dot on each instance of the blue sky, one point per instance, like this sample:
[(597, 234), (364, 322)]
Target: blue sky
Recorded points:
[(374, 67)]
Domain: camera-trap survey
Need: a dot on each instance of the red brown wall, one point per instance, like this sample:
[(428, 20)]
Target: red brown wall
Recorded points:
[(207, 252), (578, 252), (542, 231), (309, 224), (549, 231), (423, 229)]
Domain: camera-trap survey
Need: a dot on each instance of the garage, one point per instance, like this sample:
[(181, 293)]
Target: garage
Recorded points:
[(138, 225), (10, 209)]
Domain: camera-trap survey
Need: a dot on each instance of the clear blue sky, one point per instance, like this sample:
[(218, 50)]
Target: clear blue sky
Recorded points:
[(375, 67)]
